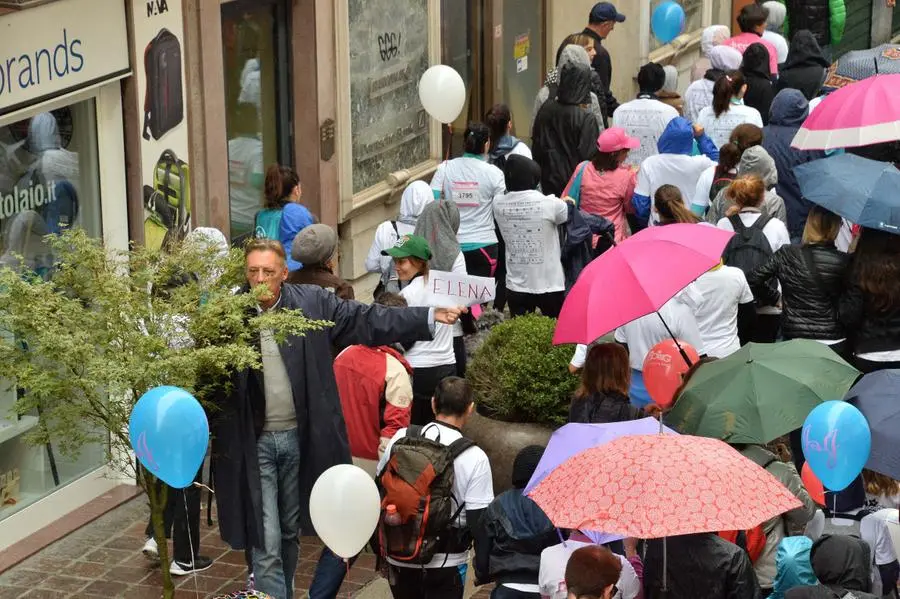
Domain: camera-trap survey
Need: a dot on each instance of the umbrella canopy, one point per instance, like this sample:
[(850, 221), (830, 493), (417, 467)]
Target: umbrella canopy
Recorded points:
[(865, 192), (636, 278), (862, 64), (652, 486), (860, 114), (760, 392), (875, 395)]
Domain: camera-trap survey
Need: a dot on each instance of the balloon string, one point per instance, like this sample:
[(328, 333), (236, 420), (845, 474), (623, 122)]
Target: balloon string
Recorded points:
[(202, 486), (187, 520)]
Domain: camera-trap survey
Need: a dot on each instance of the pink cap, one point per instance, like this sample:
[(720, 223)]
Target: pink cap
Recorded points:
[(615, 139)]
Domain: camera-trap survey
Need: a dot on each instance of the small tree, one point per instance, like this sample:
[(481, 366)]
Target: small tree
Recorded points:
[(86, 343)]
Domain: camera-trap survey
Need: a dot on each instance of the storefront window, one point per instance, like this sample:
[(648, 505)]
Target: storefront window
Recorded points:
[(693, 13), (49, 182), (257, 102), (523, 52), (388, 55)]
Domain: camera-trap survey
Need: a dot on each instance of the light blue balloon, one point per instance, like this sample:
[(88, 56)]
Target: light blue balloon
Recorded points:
[(169, 434), (667, 21), (836, 442)]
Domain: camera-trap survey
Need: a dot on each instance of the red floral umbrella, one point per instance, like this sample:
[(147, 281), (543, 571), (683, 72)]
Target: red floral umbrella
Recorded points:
[(652, 486)]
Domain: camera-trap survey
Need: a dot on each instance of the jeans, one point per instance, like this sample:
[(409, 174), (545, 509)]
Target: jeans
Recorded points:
[(275, 563)]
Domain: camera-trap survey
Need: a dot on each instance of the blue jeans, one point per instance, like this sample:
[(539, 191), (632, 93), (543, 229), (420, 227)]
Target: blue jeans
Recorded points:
[(275, 563)]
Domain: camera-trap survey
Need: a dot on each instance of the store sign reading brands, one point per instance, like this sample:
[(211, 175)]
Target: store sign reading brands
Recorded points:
[(55, 47)]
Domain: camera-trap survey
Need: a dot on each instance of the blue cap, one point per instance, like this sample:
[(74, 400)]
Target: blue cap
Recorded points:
[(605, 11)]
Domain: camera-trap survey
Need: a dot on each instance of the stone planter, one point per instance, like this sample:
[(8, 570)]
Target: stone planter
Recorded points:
[(501, 441)]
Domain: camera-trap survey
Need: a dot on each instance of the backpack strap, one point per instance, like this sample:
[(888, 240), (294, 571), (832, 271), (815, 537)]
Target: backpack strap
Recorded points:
[(394, 224), (414, 430), (761, 222), (737, 224), (459, 446)]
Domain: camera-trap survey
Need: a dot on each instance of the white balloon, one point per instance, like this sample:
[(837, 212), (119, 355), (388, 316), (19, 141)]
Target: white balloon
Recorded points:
[(442, 92), (345, 507)]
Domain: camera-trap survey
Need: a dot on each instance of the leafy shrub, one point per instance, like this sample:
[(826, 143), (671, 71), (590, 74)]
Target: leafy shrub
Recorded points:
[(520, 376)]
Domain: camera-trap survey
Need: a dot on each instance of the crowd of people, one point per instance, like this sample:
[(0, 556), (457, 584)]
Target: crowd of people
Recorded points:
[(385, 386)]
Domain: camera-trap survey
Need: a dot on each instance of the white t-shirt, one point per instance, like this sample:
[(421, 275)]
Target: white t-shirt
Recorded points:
[(675, 169), (642, 334), (552, 577), (719, 128), (472, 485), (438, 351), (245, 159), (645, 119), (723, 289), (704, 184), (473, 184), (528, 222)]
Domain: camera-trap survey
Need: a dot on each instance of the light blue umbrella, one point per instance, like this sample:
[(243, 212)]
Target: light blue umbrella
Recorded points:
[(865, 192)]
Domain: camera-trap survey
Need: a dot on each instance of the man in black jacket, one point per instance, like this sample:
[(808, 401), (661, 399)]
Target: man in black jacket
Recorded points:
[(601, 22)]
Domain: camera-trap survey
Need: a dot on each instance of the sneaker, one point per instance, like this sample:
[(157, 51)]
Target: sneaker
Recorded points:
[(151, 550), (200, 564), (251, 582)]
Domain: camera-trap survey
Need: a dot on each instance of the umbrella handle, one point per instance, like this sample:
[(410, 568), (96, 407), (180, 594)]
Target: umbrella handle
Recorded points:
[(683, 353)]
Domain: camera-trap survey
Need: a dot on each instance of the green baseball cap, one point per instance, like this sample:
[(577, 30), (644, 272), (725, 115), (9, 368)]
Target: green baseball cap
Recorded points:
[(409, 246)]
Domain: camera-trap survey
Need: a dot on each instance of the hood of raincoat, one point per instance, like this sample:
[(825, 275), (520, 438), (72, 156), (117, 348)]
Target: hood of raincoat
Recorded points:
[(43, 133), (671, 84), (439, 224), (725, 58), (777, 15), (842, 561), (756, 61), (677, 138), (521, 173), (416, 196), (756, 161), (574, 83), (713, 36), (792, 563), (805, 51), (789, 109)]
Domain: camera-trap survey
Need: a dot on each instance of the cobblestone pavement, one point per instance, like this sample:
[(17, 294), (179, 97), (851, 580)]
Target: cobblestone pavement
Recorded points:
[(103, 560)]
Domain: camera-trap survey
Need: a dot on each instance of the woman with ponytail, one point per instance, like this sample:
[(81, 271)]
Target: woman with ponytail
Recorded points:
[(728, 109), (283, 216), (670, 206)]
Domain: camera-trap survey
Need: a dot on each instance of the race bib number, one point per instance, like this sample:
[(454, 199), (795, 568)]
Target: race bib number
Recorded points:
[(465, 193)]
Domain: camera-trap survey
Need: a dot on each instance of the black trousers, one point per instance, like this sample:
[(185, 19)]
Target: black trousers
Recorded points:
[(502, 592), (426, 583), (487, 262), (549, 304), (767, 327), (181, 524), (424, 382), (459, 350), (867, 366)]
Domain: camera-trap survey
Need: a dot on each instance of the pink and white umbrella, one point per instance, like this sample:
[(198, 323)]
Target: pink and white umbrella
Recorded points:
[(862, 113)]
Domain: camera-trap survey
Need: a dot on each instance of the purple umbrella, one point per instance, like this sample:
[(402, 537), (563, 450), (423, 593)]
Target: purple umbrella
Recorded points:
[(572, 439)]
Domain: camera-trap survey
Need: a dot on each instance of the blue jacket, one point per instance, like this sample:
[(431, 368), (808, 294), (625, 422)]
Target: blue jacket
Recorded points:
[(294, 218), (789, 109), (677, 138), (577, 246)]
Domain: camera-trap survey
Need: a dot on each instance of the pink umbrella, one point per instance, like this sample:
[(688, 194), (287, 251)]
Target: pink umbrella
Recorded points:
[(859, 114), (636, 278)]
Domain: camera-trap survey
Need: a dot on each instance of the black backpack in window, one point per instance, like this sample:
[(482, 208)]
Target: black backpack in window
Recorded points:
[(163, 101)]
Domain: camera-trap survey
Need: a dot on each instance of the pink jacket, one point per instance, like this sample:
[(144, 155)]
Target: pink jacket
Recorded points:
[(607, 194), (745, 40)]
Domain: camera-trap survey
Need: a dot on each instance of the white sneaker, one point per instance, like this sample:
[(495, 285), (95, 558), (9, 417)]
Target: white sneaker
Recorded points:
[(151, 550), (200, 564)]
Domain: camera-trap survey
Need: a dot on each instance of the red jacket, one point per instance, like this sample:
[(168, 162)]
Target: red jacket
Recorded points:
[(376, 394)]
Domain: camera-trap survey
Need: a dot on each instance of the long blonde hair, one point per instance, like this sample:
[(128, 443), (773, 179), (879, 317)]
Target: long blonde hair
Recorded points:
[(879, 484)]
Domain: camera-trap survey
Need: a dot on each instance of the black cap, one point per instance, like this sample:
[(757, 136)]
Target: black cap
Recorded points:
[(605, 11)]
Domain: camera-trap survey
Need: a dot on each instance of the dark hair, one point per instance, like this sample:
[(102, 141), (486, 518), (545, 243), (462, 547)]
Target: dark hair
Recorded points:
[(727, 86), (729, 157), (608, 161), (573, 39), (606, 369), (453, 396), (497, 120), (475, 137), (746, 136), (651, 78), (752, 16), (670, 206), (747, 191), (280, 181), (876, 269), (391, 300), (686, 377), (591, 570), (262, 244)]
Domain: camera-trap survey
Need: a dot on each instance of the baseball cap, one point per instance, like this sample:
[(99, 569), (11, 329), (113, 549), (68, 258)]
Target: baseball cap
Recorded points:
[(615, 139), (314, 245), (409, 246), (605, 11)]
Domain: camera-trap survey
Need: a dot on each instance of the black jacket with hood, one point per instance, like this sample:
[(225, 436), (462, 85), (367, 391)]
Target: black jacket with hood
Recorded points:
[(565, 132), (602, 66), (812, 281), (841, 563), (805, 67), (789, 110), (758, 75)]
